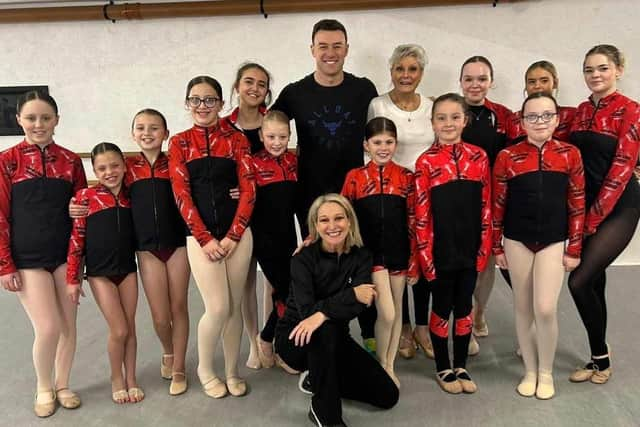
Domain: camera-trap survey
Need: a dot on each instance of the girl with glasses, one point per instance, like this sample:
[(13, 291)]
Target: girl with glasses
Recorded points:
[(538, 203), (205, 162), (542, 76)]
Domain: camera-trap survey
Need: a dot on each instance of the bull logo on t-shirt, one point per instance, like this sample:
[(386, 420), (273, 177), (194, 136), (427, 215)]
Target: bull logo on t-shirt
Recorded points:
[(333, 121)]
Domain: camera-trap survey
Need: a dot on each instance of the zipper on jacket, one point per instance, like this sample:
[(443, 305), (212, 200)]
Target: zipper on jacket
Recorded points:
[(118, 226), (380, 170), (154, 200), (211, 186), (540, 189), (593, 116), (455, 160), (44, 161), (284, 172)]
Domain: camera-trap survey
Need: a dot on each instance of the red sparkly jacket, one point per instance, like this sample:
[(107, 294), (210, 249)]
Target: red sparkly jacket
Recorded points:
[(105, 236), (35, 188), (156, 220), (384, 200), (566, 116), (453, 208), (272, 221), (538, 195), (204, 164), (608, 136)]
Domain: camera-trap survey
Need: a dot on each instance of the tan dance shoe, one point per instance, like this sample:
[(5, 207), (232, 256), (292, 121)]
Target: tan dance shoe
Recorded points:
[(68, 399), (177, 387), (165, 370), (448, 381), (46, 408)]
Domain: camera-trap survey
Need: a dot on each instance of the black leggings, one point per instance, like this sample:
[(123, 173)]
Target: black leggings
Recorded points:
[(587, 282), (276, 270), (421, 292), (338, 368), (452, 291)]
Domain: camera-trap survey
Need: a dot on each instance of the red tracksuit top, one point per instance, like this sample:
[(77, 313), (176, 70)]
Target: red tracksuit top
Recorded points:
[(272, 221), (453, 208), (35, 188), (156, 220), (105, 236), (608, 136), (384, 200), (204, 164), (566, 116), (538, 195)]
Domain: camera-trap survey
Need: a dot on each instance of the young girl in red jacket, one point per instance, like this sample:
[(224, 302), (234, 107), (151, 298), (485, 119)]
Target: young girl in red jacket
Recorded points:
[(37, 179), (206, 162), (538, 203), (106, 240), (486, 128), (453, 227), (607, 133), (272, 221), (383, 197), (160, 244)]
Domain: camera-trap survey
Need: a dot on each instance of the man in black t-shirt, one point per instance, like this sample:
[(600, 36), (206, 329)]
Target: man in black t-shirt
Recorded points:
[(329, 107)]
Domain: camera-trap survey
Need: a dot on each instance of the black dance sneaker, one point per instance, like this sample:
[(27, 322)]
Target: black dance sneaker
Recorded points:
[(304, 383)]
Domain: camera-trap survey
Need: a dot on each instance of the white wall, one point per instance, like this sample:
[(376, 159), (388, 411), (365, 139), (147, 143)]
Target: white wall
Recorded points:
[(102, 73)]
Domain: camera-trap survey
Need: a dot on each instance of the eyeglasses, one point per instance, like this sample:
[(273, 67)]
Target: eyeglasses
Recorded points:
[(545, 117), (209, 101)]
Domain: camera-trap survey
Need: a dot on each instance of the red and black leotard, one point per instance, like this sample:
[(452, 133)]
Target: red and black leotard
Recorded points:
[(566, 116), (204, 164), (608, 136), (538, 196), (156, 220), (487, 128), (453, 208), (384, 200), (105, 236), (253, 135), (36, 185), (272, 221)]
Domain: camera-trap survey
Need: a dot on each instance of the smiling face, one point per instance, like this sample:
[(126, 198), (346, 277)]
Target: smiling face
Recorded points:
[(252, 87), (204, 115), (406, 75), (109, 168), (540, 80), (275, 137), (448, 121), (38, 119), (601, 74), (329, 49), (539, 109), (475, 82), (149, 132), (381, 148), (332, 226)]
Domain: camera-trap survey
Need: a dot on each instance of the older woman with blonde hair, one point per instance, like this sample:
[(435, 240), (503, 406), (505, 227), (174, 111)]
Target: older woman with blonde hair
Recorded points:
[(411, 113), (331, 285)]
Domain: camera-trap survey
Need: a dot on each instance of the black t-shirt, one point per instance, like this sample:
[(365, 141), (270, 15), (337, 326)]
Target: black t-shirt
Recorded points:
[(330, 124)]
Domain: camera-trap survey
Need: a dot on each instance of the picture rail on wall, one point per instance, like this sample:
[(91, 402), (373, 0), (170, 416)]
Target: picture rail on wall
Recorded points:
[(9, 96)]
